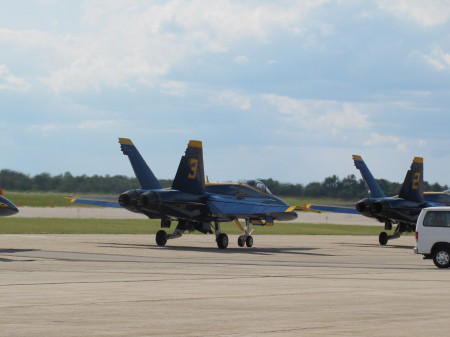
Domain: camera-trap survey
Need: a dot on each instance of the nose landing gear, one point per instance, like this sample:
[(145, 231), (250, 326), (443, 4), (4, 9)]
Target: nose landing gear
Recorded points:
[(246, 239)]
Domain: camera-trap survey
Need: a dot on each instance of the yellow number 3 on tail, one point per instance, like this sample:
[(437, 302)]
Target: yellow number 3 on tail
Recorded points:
[(416, 180), (193, 163)]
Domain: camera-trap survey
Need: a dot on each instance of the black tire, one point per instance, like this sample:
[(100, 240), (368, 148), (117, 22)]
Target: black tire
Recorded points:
[(161, 238), (383, 238), (222, 241), (249, 241), (441, 257), (241, 241)]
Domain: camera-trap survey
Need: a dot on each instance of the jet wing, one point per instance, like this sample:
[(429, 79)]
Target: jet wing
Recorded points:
[(97, 201), (247, 208), (336, 208)]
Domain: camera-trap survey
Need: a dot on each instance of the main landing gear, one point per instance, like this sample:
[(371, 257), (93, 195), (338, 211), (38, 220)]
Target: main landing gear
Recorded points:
[(402, 227), (162, 236)]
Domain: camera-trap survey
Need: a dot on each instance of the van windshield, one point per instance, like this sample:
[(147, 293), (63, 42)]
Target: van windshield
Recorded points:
[(437, 219)]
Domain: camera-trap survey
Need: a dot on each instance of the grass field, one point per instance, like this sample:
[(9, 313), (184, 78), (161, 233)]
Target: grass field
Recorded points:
[(14, 225)]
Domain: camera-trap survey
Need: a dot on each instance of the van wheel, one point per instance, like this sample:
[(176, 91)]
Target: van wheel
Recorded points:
[(441, 257)]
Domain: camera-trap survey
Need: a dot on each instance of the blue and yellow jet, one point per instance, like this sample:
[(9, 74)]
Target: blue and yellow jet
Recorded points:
[(402, 209), (195, 204), (7, 207)]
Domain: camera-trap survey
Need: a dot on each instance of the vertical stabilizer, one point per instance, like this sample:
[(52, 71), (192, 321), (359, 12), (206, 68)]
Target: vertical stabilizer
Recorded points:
[(375, 190), (143, 173), (412, 188), (190, 177)]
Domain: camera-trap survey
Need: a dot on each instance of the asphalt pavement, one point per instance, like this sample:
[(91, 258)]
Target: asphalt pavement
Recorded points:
[(125, 285)]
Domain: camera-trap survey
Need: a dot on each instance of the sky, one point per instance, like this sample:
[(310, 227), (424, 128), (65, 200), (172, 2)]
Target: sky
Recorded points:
[(288, 90)]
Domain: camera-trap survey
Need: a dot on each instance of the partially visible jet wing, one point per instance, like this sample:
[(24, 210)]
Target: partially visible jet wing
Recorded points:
[(337, 208), (97, 201)]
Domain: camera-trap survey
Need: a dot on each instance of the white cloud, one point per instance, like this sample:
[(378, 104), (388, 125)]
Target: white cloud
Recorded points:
[(425, 13), (436, 58), (131, 43), (8, 81), (320, 115), (174, 88), (96, 125), (241, 59), (234, 99), (378, 140)]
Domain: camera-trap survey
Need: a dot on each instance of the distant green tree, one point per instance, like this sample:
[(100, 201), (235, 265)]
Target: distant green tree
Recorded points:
[(348, 188)]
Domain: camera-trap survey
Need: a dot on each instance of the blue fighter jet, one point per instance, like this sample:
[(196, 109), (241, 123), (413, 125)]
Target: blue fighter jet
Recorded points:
[(7, 207), (195, 204), (402, 209)]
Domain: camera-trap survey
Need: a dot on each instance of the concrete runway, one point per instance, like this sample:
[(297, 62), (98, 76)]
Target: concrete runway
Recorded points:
[(124, 285)]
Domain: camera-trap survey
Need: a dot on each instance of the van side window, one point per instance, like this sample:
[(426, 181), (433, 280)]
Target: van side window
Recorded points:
[(437, 219)]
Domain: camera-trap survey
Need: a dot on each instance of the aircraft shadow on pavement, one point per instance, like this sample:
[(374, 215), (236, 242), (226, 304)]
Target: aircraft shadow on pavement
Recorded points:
[(228, 251), (12, 251), (371, 245)]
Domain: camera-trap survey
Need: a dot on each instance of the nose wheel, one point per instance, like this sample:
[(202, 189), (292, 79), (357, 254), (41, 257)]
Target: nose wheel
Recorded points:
[(246, 239)]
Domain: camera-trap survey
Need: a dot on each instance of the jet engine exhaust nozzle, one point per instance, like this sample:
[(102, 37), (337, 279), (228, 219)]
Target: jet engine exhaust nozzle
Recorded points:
[(150, 201), (129, 199), (377, 207), (361, 207)]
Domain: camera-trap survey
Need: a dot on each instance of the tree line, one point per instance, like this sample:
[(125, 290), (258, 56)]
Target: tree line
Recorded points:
[(347, 188)]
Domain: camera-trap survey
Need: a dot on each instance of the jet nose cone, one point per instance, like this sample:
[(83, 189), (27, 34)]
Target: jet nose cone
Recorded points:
[(14, 210), (7, 207)]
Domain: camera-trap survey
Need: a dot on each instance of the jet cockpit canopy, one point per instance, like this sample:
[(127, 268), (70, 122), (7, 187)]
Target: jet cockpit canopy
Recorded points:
[(257, 184)]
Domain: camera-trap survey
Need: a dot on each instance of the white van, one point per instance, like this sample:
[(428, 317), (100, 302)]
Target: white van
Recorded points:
[(433, 235)]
